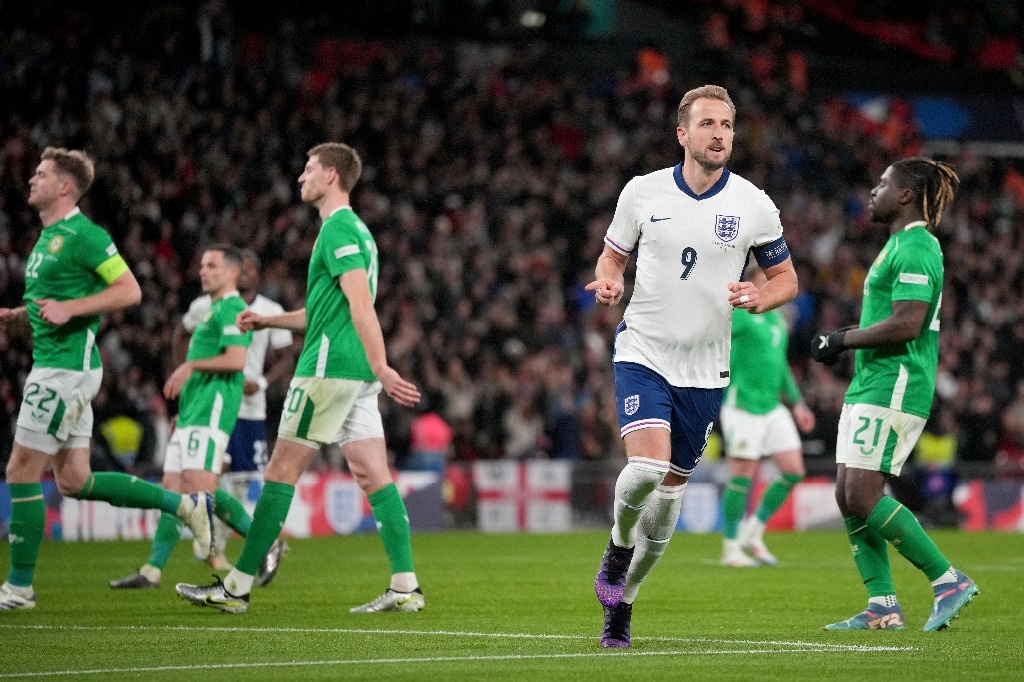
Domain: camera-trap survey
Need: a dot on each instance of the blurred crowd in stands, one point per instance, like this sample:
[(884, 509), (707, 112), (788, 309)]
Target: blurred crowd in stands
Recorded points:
[(489, 179)]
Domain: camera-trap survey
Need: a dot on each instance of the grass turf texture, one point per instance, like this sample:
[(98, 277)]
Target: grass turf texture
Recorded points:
[(514, 607)]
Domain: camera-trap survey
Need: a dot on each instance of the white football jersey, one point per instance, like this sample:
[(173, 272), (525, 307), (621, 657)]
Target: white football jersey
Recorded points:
[(253, 406), (678, 320)]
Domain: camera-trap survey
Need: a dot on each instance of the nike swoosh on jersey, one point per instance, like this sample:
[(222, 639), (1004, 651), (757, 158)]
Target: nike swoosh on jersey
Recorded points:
[(658, 220)]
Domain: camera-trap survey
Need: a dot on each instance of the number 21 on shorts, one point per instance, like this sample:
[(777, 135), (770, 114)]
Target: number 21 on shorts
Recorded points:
[(867, 433)]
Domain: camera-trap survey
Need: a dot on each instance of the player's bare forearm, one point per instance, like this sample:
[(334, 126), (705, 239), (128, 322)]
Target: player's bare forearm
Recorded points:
[(609, 282), (370, 335), (231, 360), (123, 292), (610, 265), (781, 287), (905, 324), (294, 321), (364, 318)]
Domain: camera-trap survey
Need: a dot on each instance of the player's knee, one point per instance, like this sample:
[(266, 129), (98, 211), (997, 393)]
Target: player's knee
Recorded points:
[(372, 481), (281, 473), (859, 502), (13, 471), (844, 508), (25, 465), (70, 484)]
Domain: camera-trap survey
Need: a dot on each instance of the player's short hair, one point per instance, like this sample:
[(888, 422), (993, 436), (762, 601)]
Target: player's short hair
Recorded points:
[(250, 255), (74, 163), (934, 183), (232, 254), (707, 92), (342, 158)]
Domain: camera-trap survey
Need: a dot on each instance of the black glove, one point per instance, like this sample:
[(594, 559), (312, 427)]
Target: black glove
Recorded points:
[(828, 346)]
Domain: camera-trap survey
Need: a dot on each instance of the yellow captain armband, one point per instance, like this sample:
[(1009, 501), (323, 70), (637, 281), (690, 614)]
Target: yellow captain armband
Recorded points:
[(112, 268)]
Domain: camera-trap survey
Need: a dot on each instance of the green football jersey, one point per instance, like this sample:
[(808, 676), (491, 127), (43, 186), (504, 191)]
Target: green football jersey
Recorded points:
[(332, 348), (213, 398), (901, 377), (73, 258), (758, 370)]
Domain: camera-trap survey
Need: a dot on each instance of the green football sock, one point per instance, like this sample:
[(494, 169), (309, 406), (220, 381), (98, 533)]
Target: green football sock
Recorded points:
[(168, 532), (871, 554), (28, 521), (267, 522), (122, 490), (393, 521), (899, 526), (232, 512), (776, 494), (734, 503)]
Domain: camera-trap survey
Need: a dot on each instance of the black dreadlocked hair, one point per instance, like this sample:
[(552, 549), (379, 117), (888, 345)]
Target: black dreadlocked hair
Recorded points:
[(933, 183)]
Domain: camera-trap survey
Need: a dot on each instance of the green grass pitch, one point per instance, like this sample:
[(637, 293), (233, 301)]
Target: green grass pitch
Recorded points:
[(515, 607)]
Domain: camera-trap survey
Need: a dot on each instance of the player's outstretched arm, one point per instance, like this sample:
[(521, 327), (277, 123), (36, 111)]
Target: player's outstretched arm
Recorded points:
[(608, 284), (295, 321), (121, 293), (364, 318)]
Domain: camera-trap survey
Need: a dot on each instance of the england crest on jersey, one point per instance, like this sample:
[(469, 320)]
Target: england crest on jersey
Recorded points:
[(632, 404), (727, 227)]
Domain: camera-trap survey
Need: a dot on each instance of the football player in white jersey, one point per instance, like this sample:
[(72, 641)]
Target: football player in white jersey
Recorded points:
[(692, 228)]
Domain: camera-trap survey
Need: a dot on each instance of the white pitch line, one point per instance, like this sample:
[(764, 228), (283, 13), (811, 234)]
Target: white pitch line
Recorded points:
[(456, 633), (389, 661)]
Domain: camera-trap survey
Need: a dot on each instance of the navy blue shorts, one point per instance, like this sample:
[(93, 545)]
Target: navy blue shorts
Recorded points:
[(248, 446), (646, 400)]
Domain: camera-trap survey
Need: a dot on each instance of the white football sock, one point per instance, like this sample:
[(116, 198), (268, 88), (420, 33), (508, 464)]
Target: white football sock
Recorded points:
[(948, 577), (751, 530), (888, 600), (731, 548), (19, 591), (657, 524), (151, 573), (404, 582), (238, 583), (635, 483)]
